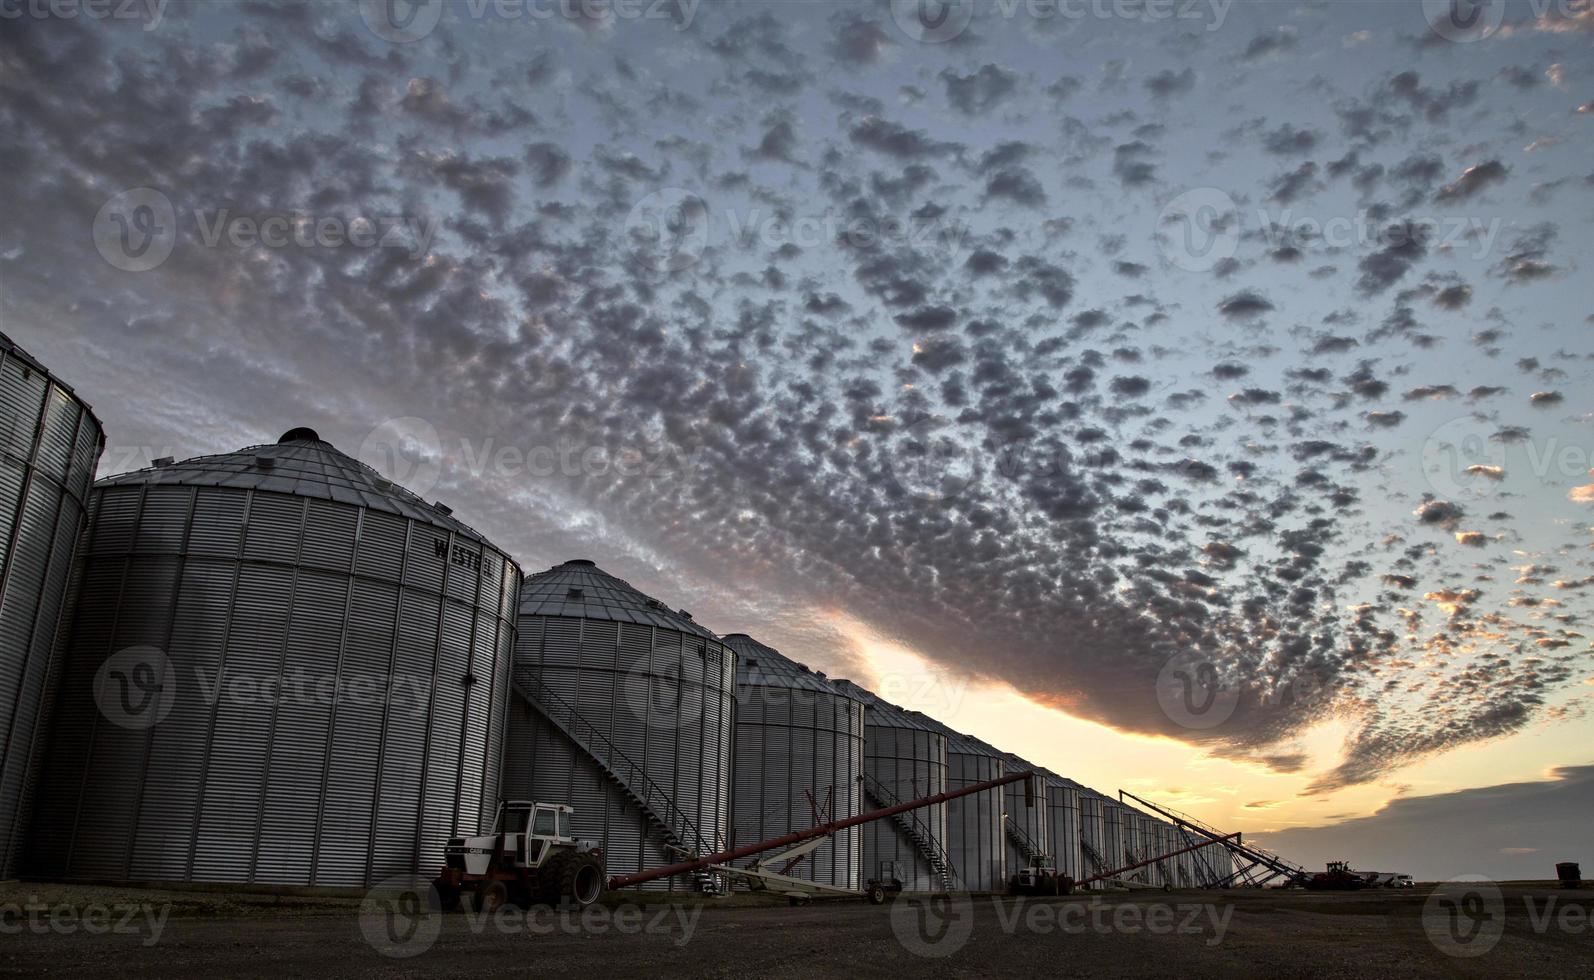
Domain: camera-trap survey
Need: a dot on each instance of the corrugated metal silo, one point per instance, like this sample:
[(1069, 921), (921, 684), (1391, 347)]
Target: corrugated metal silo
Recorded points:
[(1064, 825), (320, 663), (975, 837), (49, 444), (623, 709), (905, 758), (1115, 836), (799, 738), (1094, 858), (1026, 824)]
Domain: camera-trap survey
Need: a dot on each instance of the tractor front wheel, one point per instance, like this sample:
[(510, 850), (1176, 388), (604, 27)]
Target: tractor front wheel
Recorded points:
[(581, 879), (442, 896)]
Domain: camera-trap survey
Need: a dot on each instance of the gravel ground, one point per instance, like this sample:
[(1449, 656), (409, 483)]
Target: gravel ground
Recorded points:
[(1520, 930)]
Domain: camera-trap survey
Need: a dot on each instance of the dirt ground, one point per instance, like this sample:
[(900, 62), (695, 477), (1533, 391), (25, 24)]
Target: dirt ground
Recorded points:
[(1454, 931)]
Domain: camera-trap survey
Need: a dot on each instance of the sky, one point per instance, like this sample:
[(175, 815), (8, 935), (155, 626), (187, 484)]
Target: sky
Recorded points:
[(1190, 397)]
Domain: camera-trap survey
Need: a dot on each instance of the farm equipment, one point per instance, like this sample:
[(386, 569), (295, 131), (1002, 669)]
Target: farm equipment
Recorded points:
[(530, 857), (1338, 878), (1041, 878)]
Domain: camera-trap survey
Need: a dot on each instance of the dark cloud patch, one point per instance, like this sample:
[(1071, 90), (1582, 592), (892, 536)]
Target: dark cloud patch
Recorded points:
[(981, 91)]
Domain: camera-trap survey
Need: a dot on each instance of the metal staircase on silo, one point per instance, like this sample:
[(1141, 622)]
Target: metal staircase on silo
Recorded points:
[(916, 830), (1093, 856), (675, 829), (1023, 841)]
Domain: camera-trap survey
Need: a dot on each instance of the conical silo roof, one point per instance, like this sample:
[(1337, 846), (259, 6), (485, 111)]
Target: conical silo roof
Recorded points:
[(884, 714), (303, 464), (761, 665), (579, 588)]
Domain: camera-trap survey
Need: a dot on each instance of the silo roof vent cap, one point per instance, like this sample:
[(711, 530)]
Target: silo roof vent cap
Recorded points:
[(300, 434), (683, 614), (266, 462), (162, 462), (442, 508), (582, 562), (576, 593)]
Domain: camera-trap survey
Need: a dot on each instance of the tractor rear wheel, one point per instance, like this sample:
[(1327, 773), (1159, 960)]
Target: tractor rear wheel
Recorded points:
[(876, 893), (581, 879)]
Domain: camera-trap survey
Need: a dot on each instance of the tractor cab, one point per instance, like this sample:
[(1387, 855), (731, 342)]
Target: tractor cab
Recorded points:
[(530, 829)]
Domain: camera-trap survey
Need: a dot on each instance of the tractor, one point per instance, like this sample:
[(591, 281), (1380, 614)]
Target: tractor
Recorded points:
[(531, 856), (1040, 878), (1338, 878)]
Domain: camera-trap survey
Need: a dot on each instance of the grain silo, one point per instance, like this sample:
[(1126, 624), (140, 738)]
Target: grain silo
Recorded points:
[(622, 708), (1093, 853), (1026, 825), (1064, 825), (974, 826), (905, 758), (49, 444), (1114, 835), (798, 760), (283, 668)]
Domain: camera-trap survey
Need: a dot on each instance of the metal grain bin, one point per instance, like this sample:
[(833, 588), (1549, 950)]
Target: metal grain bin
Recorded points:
[(974, 824), (49, 444), (1115, 837), (1064, 825), (799, 747), (1093, 854), (622, 708), (1026, 825), (904, 759), (284, 669)]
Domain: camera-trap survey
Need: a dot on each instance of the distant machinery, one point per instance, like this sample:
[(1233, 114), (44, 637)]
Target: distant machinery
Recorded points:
[(905, 758), (283, 668), (798, 760), (622, 708), (49, 444)]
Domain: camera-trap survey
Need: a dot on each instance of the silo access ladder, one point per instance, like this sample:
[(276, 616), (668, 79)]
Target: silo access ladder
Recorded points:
[(916, 830), (1092, 855), (1023, 841), (679, 833)]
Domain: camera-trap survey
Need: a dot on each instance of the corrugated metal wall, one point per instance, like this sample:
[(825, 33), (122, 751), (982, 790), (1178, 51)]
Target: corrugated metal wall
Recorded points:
[(791, 742), (974, 823), (911, 763), (1063, 814), (1026, 813), (241, 592), (665, 700), (49, 444), (1092, 831)]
